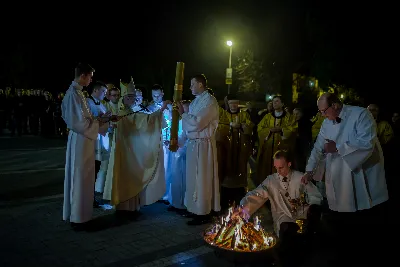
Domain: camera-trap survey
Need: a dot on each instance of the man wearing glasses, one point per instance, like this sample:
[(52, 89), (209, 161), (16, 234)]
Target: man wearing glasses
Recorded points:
[(354, 176)]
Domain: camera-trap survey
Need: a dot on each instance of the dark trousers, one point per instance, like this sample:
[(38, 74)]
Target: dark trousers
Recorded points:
[(97, 165), (359, 238), (298, 245)]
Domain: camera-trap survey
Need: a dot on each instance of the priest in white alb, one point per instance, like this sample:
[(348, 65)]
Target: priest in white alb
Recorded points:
[(135, 175), (199, 125), (348, 150), (80, 156)]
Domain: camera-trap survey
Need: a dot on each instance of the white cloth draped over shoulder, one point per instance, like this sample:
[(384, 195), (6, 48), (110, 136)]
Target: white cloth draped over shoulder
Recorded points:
[(355, 175), (134, 176), (272, 188), (80, 156), (199, 127)]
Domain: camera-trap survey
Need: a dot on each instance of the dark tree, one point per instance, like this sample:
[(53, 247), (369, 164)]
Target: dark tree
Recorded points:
[(248, 72)]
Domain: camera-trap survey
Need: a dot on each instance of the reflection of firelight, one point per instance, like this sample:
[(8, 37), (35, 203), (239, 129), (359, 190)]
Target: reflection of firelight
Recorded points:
[(233, 233)]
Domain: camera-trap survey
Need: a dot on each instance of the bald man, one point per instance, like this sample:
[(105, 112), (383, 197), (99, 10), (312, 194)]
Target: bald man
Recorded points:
[(383, 130), (354, 174)]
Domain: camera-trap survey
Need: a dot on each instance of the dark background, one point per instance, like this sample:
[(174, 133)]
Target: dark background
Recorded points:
[(345, 42)]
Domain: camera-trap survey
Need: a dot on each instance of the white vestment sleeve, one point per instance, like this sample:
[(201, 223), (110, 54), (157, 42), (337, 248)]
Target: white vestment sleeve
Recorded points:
[(317, 151), (361, 146), (256, 198), (192, 123), (314, 196), (74, 117)]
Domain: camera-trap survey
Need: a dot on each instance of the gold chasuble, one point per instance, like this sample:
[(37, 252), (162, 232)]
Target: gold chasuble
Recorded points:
[(270, 142), (234, 147), (135, 155), (384, 132)]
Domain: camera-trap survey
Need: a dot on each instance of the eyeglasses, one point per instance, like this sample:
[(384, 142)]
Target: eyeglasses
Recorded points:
[(324, 111)]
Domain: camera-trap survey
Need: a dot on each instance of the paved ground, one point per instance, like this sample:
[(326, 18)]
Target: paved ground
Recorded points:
[(33, 233)]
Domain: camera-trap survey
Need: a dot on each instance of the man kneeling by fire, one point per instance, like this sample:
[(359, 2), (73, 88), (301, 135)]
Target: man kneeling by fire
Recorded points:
[(292, 202)]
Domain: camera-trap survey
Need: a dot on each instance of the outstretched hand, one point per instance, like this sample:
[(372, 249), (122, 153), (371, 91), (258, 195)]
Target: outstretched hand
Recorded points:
[(242, 212), (308, 176)]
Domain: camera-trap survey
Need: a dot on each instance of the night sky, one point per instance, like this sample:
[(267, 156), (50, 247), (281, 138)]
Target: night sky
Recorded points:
[(146, 39)]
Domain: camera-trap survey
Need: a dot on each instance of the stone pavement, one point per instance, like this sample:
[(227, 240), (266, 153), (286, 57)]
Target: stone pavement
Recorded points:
[(33, 233)]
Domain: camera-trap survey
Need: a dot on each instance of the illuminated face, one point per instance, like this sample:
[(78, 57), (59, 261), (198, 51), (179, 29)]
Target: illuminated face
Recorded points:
[(129, 100), (395, 117), (100, 93), (196, 87), (233, 105), (297, 114), (374, 110), (114, 96), (282, 166), (157, 96), (277, 103), (331, 112), (85, 79)]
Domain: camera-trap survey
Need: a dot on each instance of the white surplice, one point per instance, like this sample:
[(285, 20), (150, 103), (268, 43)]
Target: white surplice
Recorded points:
[(177, 173), (274, 189), (80, 156), (199, 127), (102, 174), (102, 147), (355, 175), (167, 116)]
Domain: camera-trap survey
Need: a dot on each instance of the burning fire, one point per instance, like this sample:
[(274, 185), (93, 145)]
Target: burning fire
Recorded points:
[(233, 233)]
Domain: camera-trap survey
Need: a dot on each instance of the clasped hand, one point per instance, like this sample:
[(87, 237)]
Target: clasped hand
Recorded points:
[(276, 129), (330, 146), (235, 125)]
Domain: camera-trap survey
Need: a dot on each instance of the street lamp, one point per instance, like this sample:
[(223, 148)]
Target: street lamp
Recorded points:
[(229, 69)]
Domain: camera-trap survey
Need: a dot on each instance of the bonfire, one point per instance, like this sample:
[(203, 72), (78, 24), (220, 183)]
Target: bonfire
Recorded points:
[(231, 232)]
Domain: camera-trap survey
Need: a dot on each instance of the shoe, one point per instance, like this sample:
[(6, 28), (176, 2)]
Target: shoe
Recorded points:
[(96, 204), (171, 208)]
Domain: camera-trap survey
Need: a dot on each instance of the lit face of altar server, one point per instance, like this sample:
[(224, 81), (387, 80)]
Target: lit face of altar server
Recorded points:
[(157, 96), (99, 92), (282, 166), (198, 84), (139, 97), (85, 79)]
